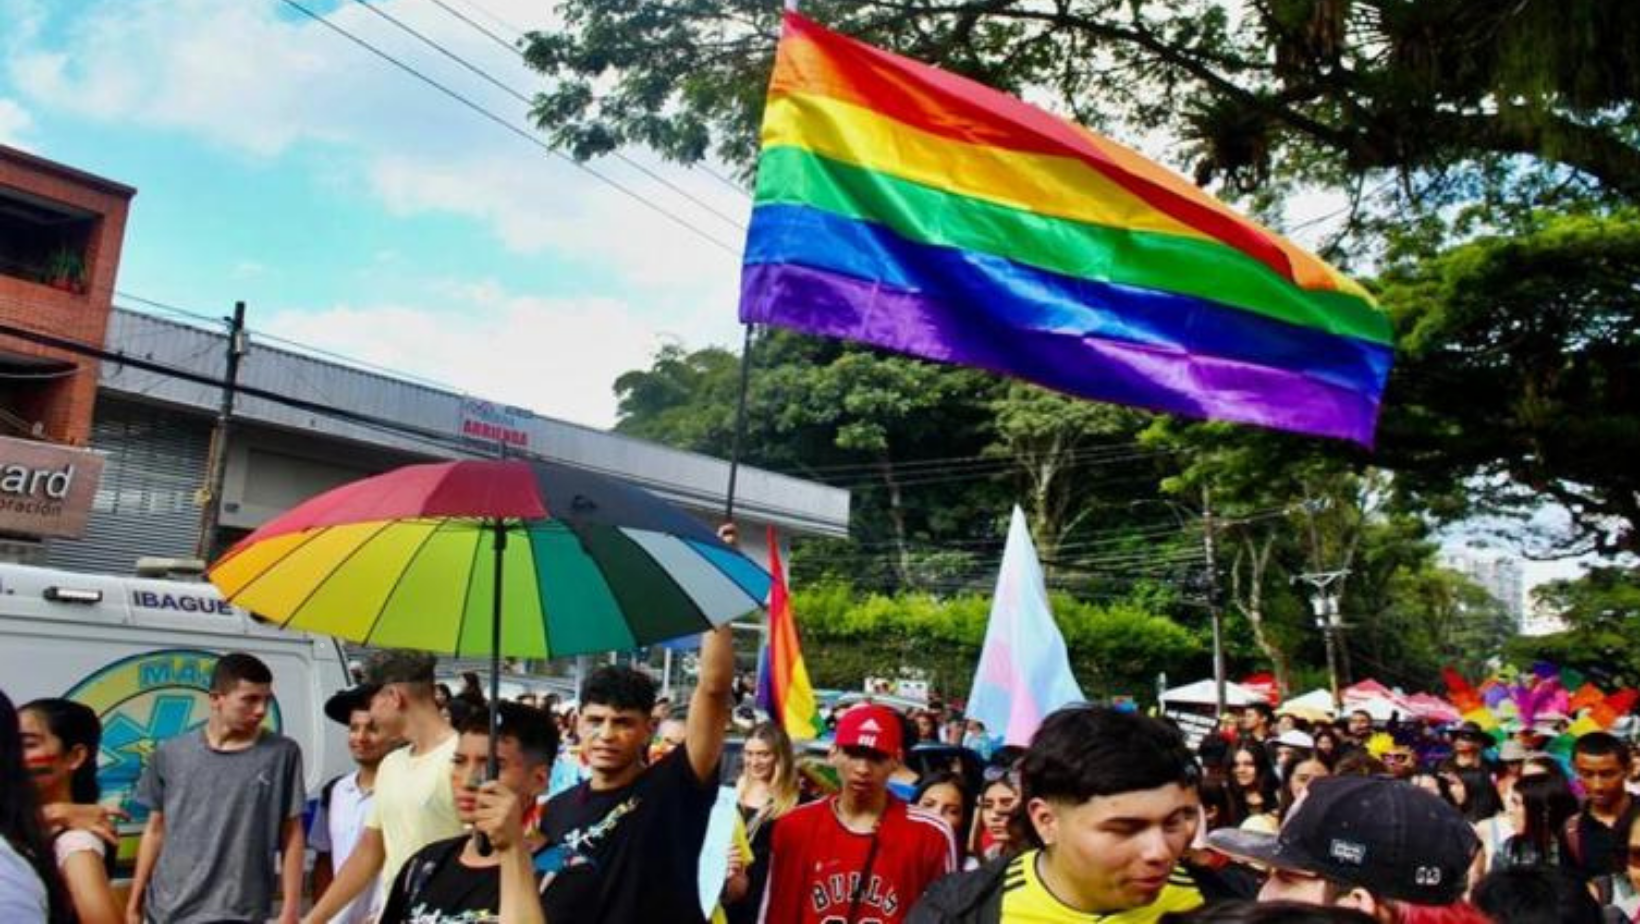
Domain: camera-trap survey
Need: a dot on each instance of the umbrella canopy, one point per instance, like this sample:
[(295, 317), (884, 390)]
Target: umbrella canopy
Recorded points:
[(1314, 706), (1202, 693), (408, 559), (1433, 708)]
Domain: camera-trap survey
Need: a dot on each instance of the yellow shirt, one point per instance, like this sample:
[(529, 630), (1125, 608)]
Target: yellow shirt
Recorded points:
[(414, 804), (1025, 900)]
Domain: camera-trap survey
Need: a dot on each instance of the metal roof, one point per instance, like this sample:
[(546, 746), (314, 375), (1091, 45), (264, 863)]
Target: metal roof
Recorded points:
[(691, 479)]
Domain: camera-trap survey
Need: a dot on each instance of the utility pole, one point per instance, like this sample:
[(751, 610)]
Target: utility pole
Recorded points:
[(1210, 548), (211, 499), (1324, 604)]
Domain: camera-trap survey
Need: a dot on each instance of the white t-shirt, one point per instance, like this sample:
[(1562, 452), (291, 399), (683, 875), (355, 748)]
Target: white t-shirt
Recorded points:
[(337, 827), (22, 894), (414, 804)]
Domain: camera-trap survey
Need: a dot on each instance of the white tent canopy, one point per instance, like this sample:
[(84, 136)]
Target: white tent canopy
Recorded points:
[(1202, 693), (1319, 700)]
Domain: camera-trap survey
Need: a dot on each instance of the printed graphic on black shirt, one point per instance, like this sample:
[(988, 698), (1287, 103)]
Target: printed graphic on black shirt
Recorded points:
[(629, 855), (434, 887)]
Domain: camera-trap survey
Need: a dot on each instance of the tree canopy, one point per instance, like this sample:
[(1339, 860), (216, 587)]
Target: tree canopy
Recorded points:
[(1486, 163)]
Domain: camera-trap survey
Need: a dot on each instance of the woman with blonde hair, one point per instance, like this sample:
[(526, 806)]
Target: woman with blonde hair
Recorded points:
[(766, 790)]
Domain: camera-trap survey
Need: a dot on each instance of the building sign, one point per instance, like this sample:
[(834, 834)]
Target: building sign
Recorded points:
[(46, 489), (495, 423)]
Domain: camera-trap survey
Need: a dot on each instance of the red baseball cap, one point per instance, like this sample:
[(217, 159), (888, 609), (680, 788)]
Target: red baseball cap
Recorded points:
[(870, 726)]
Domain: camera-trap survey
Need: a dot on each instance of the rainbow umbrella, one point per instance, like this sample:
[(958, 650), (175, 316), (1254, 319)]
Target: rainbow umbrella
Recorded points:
[(474, 558), (412, 559)]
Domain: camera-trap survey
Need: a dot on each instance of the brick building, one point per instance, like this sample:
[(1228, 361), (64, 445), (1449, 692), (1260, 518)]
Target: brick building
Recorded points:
[(60, 237)]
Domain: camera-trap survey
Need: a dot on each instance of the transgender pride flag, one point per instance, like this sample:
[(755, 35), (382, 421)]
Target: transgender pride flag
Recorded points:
[(1024, 672)]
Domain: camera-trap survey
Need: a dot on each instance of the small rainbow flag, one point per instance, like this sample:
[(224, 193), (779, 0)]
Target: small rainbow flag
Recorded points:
[(911, 209), (783, 688)]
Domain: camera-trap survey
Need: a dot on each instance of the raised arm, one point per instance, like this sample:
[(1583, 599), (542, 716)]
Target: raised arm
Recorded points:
[(709, 707)]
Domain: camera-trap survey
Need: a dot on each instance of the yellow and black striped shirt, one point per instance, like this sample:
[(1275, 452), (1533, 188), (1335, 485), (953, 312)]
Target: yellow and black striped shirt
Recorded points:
[(1025, 900)]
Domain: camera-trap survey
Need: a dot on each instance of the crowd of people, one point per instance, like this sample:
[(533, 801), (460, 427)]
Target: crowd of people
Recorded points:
[(610, 808)]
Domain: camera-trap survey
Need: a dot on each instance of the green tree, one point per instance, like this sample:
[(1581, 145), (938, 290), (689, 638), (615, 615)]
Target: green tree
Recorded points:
[(1519, 378), (1115, 648), (1443, 95), (1602, 639)]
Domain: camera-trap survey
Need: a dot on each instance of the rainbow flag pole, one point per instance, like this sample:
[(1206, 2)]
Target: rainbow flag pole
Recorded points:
[(907, 208)]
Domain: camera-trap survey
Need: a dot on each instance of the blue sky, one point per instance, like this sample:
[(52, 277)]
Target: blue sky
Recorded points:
[(358, 210)]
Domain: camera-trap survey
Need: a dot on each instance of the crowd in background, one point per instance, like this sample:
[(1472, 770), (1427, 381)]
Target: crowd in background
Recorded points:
[(616, 806)]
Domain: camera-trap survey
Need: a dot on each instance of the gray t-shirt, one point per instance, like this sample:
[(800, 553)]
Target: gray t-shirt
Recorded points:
[(223, 814)]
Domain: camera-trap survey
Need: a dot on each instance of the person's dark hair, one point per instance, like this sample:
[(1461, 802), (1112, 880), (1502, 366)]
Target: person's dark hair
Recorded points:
[(970, 801), (1286, 798), (1263, 709), (1081, 752), (74, 724), (1545, 763), (235, 666), (1547, 802), (1328, 757), (1217, 810), (619, 687), (535, 732), (1264, 781), (20, 822), (1481, 799), (1359, 763), (1535, 895), (1251, 912), (1601, 744)]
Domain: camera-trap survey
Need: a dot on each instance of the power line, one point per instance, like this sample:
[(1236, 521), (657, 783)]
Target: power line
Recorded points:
[(942, 462), (492, 36), (487, 77), (514, 48), (510, 127)]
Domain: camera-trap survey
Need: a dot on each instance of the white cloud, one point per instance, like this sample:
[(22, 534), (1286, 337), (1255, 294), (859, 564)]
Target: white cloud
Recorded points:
[(259, 80), (15, 123), (557, 357)]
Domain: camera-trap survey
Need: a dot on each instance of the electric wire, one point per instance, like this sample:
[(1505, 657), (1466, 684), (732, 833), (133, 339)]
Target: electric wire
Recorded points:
[(513, 129), (514, 47), (487, 77)]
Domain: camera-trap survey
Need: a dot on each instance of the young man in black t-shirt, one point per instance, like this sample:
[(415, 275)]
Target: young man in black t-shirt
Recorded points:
[(624, 846), (450, 880)]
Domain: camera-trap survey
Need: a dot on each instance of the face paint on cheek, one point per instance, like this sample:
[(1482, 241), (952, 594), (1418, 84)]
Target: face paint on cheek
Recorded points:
[(39, 764)]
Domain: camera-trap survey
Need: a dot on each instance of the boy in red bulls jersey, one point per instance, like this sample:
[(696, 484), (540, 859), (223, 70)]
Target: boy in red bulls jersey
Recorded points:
[(861, 856)]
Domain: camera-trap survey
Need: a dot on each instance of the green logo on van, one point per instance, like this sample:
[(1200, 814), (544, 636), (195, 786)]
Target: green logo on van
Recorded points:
[(143, 700)]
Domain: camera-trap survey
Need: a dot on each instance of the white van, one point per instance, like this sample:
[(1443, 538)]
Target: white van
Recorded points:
[(140, 652)]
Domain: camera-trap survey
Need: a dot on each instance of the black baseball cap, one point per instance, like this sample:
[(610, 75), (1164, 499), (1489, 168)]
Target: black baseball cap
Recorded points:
[(341, 705), (1386, 836)]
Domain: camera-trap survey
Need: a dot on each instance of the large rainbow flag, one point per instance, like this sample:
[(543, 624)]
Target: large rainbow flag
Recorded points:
[(783, 687), (911, 209)]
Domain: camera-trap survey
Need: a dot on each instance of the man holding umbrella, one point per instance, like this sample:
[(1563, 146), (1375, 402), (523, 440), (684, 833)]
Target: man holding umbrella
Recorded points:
[(626, 843)]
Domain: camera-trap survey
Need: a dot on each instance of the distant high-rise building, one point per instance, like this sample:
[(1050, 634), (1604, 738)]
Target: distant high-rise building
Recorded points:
[(1499, 576)]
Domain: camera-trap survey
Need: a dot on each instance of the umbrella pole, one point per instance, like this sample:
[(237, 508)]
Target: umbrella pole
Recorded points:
[(491, 769), (495, 648)]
